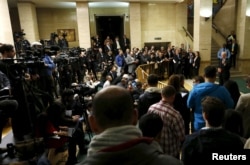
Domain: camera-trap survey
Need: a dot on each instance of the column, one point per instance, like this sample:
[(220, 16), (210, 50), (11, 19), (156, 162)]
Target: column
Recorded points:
[(243, 36), (202, 32), (82, 13), (135, 25), (6, 34), (28, 20)]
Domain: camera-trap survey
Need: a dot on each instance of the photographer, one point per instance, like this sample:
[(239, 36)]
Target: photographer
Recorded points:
[(62, 42)]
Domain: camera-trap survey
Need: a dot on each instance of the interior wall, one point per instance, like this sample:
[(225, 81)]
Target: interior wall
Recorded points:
[(225, 19), (49, 20), (163, 21)]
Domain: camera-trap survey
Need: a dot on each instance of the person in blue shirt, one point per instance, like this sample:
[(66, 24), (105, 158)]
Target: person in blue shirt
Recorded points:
[(208, 88), (46, 77), (120, 62), (223, 49)]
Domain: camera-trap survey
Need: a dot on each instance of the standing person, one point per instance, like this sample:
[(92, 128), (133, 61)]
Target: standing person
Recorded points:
[(120, 62), (173, 131), (46, 77), (180, 101), (208, 88), (125, 42), (150, 96), (243, 106), (101, 59), (118, 140), (177, 59), (196, 63), (190, 57), (224, 48), (224, 68), (233, 89), (200, 146), (117, 45), (234, 51)]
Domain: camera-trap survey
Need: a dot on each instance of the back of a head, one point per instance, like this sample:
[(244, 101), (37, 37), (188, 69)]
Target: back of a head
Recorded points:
[(168, 91), (67, 93), (214, 110), (112, 107), (233, 122), (151, 125), (199, 79), (174, 80), (232, 87), (210, 72), (6, 48), (152, 80)]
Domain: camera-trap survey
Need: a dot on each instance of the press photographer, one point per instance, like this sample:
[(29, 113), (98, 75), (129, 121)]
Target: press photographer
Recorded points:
[(21, 44)]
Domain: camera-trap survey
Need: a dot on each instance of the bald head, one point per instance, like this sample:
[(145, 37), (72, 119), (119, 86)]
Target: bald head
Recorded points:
[(113, 106)]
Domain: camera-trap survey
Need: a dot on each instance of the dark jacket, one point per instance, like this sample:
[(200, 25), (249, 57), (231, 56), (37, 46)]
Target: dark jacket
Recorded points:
[(151, 96), (199, 147)]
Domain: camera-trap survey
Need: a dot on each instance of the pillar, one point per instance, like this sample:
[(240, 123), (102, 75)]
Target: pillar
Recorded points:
[(6, 34), (28, 20), (135, 25), (82, 13), (202, 32)]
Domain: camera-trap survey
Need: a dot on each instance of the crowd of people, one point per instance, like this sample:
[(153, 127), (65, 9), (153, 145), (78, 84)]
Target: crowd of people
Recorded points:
[(132, 122)]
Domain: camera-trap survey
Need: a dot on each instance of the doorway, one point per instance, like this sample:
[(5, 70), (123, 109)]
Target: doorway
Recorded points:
[(111, 26)]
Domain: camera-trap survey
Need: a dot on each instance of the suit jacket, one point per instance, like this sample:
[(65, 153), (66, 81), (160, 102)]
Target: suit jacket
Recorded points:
[(107, 49), (234, 48), (225, 68), (196, 63), (243, 106)]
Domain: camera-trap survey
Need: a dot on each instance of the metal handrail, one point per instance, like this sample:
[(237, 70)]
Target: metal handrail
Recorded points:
[(218, 31), (188, 34)]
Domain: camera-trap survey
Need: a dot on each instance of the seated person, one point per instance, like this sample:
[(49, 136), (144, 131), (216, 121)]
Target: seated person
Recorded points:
[(58, 116), (117, 140), (199, 146), (7, 106)]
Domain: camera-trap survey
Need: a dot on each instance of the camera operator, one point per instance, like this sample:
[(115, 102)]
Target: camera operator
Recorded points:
[(62, 42), (21, 44), (92, 60), (83, 65), (53, 39)]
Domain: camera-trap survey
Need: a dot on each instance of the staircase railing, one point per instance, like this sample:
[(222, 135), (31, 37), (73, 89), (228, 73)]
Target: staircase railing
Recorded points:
[(218, 31), (188, 34)]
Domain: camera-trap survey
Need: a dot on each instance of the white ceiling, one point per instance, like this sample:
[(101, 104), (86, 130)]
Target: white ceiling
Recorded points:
[(92, 3)]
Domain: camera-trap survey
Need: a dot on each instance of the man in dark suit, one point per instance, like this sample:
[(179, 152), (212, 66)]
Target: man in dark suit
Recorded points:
[(108, 47), (224, 68), (234, 51), (117, 45), (125, 43)]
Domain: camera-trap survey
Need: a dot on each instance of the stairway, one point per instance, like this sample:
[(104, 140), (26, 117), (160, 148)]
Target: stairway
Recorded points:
[(235, 73)]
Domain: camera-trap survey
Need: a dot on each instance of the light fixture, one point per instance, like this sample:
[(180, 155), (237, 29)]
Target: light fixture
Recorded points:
[(206, 8), (248, 8)]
